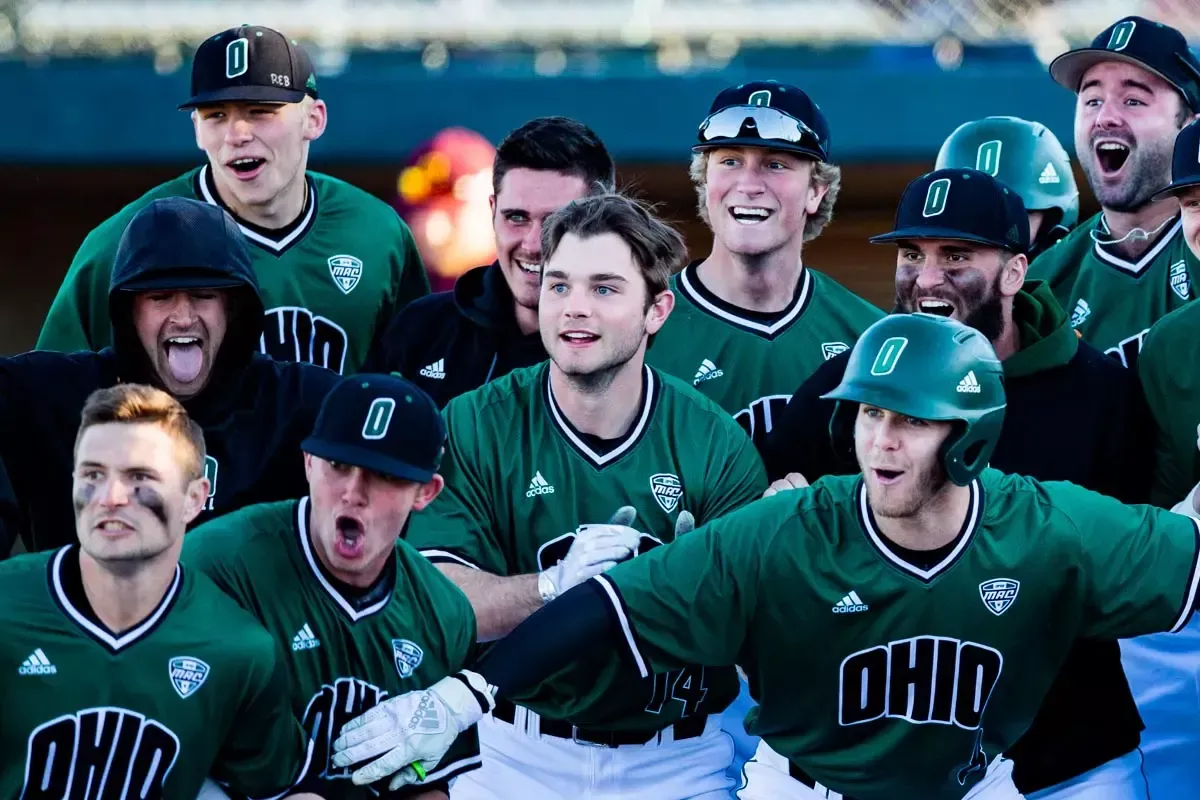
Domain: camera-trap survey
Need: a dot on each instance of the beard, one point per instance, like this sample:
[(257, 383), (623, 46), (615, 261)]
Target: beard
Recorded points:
[(979, 303), (1149, 169), (929, 485), (596, 379)]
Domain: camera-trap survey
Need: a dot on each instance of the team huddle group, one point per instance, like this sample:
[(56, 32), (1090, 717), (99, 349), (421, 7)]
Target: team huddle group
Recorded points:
[(603, 522)]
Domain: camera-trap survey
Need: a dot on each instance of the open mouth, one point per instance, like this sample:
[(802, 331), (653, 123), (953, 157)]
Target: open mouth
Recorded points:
[(887, 476), (185, 357), (930, 305), (247, 168), (1111, 156), (350, 536), (578, 338), (750, 215), (529, 267), (114, 527)]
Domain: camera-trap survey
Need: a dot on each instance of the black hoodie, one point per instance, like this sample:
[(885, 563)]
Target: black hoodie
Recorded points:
[(449, 343), (254, 411)]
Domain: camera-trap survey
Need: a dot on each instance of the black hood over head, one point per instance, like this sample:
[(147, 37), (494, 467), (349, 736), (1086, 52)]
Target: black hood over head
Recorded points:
[(173, 244)]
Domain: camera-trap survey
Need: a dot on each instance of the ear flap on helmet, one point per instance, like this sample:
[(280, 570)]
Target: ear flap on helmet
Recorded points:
[(969, 447)]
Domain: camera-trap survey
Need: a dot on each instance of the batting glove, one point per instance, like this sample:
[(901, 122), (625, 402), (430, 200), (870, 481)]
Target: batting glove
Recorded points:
[(413, 728), (596, 549)]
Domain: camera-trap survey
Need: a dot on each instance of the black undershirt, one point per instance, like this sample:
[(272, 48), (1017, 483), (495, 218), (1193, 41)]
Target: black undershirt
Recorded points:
[(597, 444), (922, 559)]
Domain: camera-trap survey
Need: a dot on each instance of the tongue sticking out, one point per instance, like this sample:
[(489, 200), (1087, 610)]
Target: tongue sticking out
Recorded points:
[(185, 361)]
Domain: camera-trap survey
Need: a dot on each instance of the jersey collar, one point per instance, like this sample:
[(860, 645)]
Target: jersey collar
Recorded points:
[(971, 524), (276, 241), (355, 614), (1136, 268), (629, 441), (66, 587), (767, 326)]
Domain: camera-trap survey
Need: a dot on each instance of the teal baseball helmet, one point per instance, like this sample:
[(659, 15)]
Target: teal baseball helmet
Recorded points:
[(927, 367)]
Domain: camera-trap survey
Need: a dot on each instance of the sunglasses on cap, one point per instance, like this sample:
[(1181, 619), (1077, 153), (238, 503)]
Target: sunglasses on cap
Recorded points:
[(760, 122)]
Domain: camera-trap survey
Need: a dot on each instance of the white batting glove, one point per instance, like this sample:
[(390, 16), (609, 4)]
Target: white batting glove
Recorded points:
[(793, 480), (413, 728), (596, 549)]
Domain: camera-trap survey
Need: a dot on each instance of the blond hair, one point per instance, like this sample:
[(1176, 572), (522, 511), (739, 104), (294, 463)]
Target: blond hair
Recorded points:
[(131, 403)]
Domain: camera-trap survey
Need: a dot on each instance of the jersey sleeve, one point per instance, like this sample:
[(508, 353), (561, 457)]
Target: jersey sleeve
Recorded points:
[(213, 548), (736, 475), (692, 601), (1175, 462), (266, 750), (459, 526), (1139, 565), (78, 316)]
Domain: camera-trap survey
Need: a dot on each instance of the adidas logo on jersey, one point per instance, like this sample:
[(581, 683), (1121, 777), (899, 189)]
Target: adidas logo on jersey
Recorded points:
[(305, 640), (1049, 175), (969, 384), (850, 604), (1081, 312), (436, 370), (539, 485), (708, 370), (37, 664)]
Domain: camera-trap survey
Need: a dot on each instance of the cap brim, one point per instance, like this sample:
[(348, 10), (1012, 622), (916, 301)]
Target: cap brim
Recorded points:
[(1175, 186), (764, 144), (932, 232), (249, 94), (1067, 70), (164, 280), (367, 459)]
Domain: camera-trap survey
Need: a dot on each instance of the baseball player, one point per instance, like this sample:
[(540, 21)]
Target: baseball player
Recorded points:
[(187, 317), (1164, 670), (900, 627), (1027, 157), (452, 342), (533, 455), (362, 615), (965, 261), (126, 675), (752, 320), (334, 262), (1137, 85)]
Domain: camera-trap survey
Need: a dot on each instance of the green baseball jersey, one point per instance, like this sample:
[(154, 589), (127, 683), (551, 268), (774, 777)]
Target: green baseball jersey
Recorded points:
[(1112, 301), (1171, 383), (520, 479), (750, 364), (330, 283), (345, 657), (193, 691), (882, 678)]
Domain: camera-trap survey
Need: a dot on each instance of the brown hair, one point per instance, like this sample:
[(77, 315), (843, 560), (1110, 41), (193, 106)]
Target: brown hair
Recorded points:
[(135, 403), (823, 174), (658, 249)]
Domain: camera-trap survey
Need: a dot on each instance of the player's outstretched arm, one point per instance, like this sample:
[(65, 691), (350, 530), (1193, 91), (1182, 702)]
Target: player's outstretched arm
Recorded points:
[(503, 603)]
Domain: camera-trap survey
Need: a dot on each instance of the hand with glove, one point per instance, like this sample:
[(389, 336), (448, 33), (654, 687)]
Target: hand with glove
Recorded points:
[(412, 730), (596, 549)]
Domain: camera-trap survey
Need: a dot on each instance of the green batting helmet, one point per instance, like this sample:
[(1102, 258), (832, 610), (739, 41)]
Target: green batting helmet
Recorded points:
[(1025, 156), (933, 368)]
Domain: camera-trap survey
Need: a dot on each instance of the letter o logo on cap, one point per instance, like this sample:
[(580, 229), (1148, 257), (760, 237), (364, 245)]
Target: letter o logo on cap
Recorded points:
[(237, 58)]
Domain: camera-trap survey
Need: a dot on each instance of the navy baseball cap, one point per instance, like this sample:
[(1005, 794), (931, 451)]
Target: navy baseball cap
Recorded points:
[(765, 114), (250, 63), (1185, 162), (197, 242), (963, 204), (1150, 45), (383, 423)]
